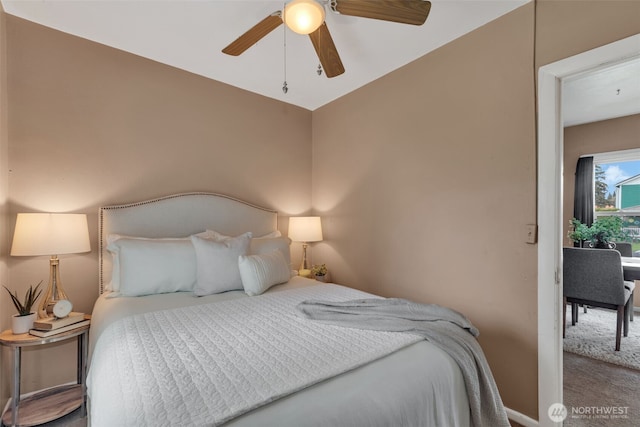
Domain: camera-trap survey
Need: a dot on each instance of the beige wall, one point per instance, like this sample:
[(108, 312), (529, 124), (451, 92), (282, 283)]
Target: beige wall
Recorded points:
[(4, 197), (593, 138), (566, 28), (426, 179), (91, 125), (438, 159), (434, 160)]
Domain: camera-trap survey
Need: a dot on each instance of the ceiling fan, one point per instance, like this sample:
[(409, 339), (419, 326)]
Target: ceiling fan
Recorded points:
[(307, 17)]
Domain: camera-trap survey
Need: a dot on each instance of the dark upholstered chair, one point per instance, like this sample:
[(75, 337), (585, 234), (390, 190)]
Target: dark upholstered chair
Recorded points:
[(594, 277), (624, 248)]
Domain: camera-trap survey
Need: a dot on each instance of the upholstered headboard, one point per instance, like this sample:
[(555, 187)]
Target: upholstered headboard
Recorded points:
[(179, 215)]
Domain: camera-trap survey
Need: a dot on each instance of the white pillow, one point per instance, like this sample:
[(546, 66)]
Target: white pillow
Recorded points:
[(265, 245), (259, 245), (212, 234), (217, 263), (114, 284), (271, 235), (260, 272), (153, 266)]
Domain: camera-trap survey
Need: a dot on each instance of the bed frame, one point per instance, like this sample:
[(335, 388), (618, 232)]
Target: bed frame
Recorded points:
[(179, 215)]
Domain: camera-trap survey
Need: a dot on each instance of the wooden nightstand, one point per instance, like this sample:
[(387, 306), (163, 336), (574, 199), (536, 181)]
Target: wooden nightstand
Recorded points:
[(51, 403)]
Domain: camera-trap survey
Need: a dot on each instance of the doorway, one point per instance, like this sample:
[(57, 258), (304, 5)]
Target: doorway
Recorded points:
[(550, 156)]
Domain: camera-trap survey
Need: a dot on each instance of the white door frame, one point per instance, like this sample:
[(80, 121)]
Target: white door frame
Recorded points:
[(550, 173)]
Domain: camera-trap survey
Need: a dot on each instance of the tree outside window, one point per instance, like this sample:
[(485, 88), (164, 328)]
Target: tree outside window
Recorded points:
[(604, 200)]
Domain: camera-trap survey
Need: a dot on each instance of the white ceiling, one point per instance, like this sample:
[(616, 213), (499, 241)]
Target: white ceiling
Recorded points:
[(190, 35), (604, 93)]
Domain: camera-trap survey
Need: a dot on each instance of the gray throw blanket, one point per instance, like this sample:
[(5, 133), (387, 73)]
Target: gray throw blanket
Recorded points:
[(448, 329)]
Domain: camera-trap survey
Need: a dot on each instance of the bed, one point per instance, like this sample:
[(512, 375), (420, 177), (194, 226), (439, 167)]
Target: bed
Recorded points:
[(160, 355)]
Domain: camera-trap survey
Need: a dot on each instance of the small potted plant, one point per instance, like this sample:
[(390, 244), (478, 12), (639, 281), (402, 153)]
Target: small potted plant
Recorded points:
[(601, 235), (23, 321), (607, 230), (579, 232), (320, 273)]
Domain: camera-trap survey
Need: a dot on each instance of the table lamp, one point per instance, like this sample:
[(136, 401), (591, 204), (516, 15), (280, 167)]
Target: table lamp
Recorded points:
[(50, 234), (305, 229)]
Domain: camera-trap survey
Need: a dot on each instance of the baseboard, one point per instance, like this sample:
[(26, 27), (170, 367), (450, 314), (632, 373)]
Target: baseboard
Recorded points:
[(521, 419)]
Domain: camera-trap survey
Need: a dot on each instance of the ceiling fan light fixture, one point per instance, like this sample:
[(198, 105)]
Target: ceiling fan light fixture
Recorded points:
[(303, 16)]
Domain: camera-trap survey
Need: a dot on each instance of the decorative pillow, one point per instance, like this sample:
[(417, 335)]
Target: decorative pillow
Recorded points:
[(260, 272), (265, 245), (217, 263), (114, 285), (259, 245), (212, 234), (271, 235), (153, 266)]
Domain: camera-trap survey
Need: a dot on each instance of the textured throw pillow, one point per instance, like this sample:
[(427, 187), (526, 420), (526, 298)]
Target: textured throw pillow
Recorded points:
[(217, 263), (260, 272), (153, 266)]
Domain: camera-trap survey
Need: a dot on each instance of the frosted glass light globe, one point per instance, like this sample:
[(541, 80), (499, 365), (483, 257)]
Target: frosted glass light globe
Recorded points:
[(303, 16)]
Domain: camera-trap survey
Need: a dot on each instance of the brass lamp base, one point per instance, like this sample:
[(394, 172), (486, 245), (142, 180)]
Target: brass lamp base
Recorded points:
[(304, 265), (54, 292)]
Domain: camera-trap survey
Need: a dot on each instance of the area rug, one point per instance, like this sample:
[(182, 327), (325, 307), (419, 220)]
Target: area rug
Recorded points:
[(595, 336)]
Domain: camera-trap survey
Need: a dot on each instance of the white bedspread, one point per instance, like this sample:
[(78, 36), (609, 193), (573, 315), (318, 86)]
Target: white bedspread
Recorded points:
[(209, 363)]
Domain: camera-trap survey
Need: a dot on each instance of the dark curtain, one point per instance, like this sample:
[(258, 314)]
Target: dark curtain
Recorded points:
[(583, 199)]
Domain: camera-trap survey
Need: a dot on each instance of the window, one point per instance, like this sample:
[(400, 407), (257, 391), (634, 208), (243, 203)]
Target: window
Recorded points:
[(617, 189), (617, 185)]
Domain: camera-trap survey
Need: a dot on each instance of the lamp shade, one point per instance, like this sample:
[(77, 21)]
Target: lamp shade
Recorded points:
[(303, 16), (50, 234), (305, 229)]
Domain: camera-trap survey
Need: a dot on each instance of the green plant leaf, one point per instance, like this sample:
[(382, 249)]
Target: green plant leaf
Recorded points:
[(30, 298), (604, 229)]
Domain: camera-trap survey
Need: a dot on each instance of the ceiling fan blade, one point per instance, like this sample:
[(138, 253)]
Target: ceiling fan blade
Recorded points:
[(326, 50), (254, 34), (412, 12)]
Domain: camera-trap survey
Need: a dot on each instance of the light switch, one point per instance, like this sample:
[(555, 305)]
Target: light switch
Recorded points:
[(532, 233)]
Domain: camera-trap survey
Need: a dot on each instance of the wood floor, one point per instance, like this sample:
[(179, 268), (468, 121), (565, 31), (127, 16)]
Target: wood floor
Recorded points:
[(74, 419), (591, 385)]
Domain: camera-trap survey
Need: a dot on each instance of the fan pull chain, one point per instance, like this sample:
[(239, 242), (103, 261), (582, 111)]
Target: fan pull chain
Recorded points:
[(285, 88), (319, 70)]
